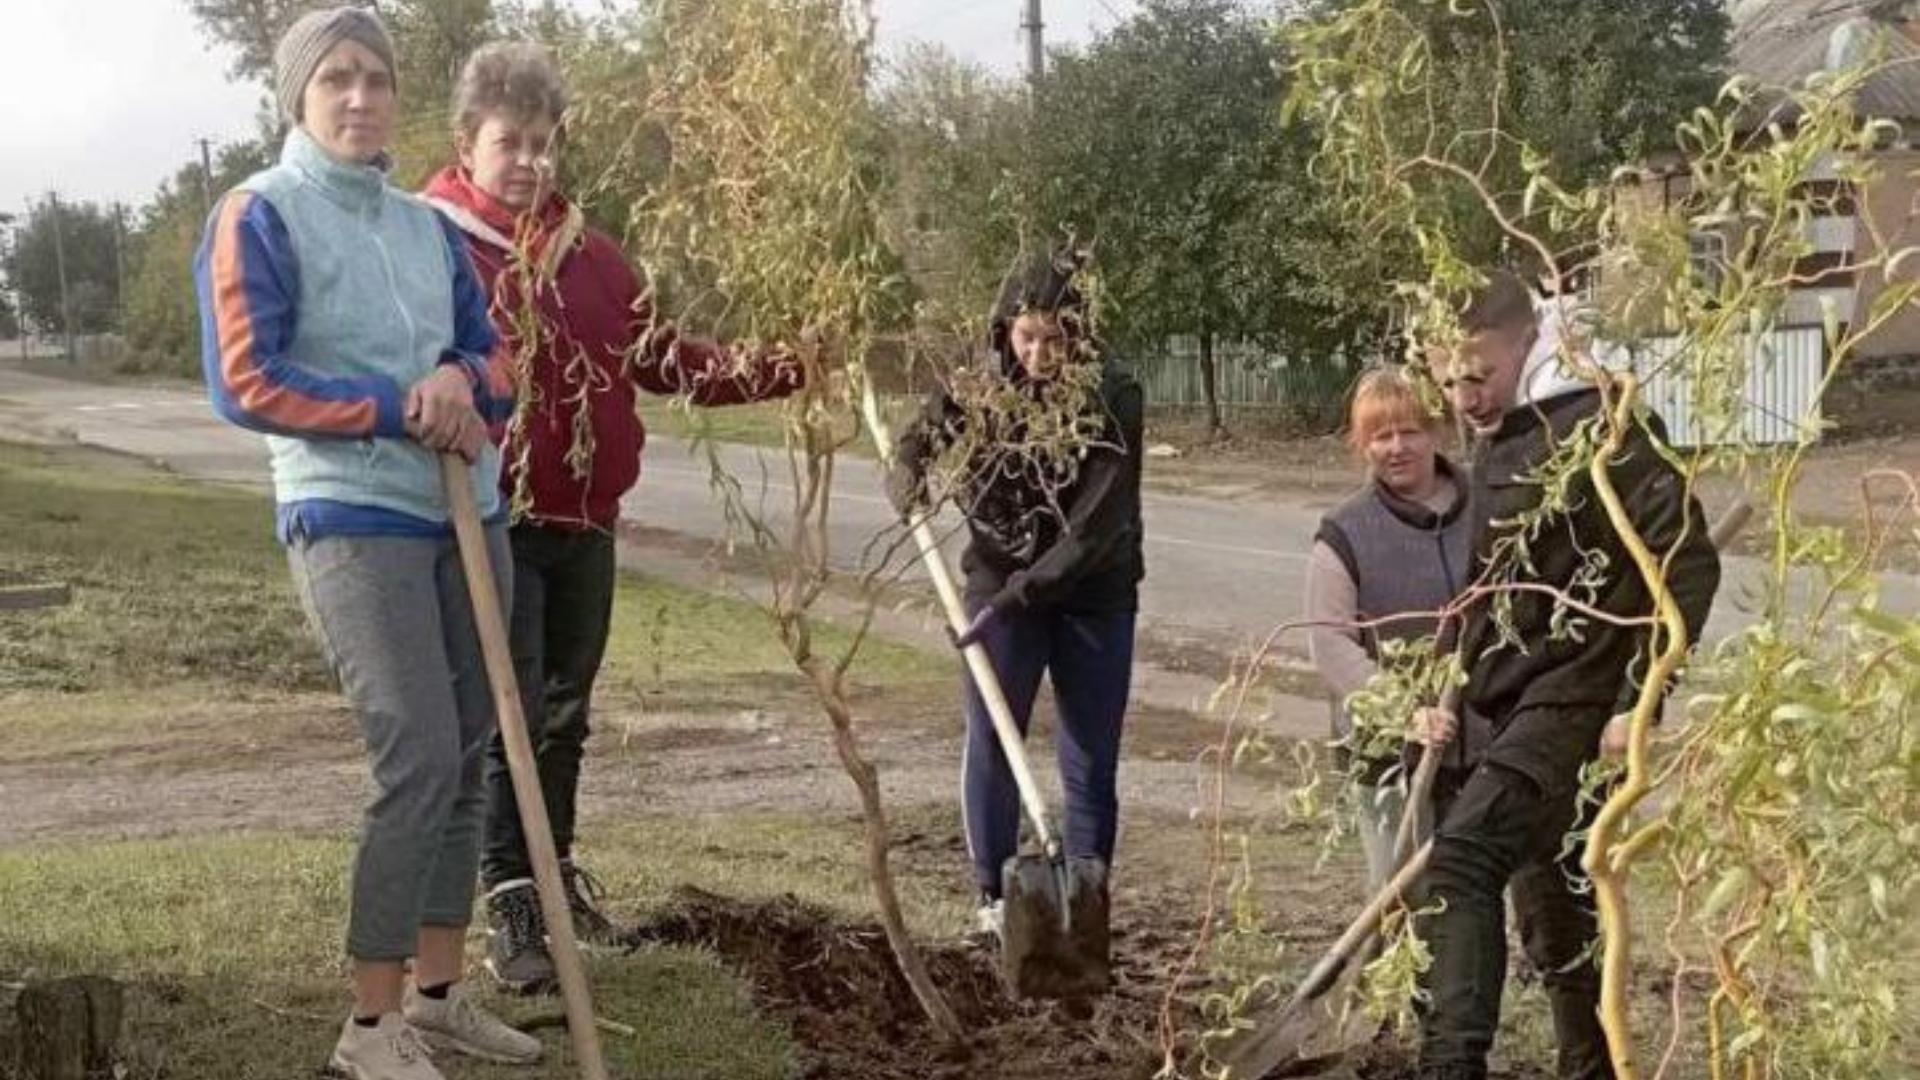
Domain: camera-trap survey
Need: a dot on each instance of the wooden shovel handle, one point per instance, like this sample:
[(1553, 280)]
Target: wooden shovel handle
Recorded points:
[(979, 664), (492, 627)]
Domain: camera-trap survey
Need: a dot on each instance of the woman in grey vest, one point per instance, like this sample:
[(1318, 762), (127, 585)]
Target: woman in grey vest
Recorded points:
[(1400, 544)]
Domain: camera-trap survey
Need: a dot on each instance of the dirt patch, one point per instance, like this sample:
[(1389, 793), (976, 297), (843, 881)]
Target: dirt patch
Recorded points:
[(854, 1018), (657, 740), (1389, 1059), (1873, 409)]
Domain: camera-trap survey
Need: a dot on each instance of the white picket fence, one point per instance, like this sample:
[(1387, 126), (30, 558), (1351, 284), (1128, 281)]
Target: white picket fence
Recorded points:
[(1781, 396)]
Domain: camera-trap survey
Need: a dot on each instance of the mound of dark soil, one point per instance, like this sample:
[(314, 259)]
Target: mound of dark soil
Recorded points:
[(836, 986)]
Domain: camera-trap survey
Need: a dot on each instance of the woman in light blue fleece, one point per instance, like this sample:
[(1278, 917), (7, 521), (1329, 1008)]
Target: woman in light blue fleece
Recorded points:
[(343, 319)]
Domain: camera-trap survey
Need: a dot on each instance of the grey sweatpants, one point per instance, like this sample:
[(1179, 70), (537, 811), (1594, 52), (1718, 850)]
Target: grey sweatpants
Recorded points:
[(394, 617)]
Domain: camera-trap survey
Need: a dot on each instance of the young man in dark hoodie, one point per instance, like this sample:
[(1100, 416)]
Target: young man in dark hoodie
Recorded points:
[(1549, 699), (1054, 561)]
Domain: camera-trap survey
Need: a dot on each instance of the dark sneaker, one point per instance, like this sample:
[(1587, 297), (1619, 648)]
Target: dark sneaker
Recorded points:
[(590, 926), (517, 938)]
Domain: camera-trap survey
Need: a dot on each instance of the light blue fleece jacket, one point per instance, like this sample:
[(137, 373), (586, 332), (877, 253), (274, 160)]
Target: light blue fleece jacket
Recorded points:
[(325, 295)]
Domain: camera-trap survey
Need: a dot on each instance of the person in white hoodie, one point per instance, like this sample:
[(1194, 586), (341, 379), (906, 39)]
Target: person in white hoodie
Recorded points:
[(1547, 704)]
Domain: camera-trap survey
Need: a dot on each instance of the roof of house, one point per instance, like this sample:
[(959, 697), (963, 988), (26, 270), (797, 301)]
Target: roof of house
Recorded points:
[(1779, 43)]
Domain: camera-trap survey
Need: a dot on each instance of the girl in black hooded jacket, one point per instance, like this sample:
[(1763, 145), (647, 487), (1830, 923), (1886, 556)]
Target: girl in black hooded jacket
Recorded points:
[(1053, 564)]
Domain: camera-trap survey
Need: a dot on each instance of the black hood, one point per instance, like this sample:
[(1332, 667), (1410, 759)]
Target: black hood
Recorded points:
[(1043, 282)]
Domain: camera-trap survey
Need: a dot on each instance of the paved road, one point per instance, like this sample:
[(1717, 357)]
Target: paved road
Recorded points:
[(1220, 573)]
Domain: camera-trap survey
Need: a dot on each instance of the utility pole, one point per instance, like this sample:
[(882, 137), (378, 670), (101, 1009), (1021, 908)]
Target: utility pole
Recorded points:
[(206, 178), (12, 238), (120, 267), (60, 263), (20, 294), (1036, 56)]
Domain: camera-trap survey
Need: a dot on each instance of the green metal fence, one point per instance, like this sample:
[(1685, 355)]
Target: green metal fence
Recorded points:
[(1246, 377)]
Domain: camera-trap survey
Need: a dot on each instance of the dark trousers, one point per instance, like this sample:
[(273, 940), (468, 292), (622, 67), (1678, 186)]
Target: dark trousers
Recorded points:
[(563, 586), (1503, 830), (1090, 658)]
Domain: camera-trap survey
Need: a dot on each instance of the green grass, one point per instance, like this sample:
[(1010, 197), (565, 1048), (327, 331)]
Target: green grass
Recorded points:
[(231, 946), (171, 581), (759, 424), (686, 643), (184, 647), (186, 725), (761, 856), (176, 582), (234, 941)]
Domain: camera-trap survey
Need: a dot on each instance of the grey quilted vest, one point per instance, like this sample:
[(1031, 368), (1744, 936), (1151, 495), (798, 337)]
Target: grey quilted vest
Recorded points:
[(1402, 557)]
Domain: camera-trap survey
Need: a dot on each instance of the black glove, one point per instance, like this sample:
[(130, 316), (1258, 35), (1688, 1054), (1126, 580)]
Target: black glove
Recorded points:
[(906, 489)]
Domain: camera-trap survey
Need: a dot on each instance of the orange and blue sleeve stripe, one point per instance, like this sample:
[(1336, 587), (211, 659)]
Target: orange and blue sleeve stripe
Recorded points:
[(477, 347), (248, 278)]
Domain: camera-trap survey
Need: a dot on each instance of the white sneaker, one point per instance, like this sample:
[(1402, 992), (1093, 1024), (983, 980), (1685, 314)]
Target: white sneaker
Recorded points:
[(991, 919), (390, 1051), (457, 1022)]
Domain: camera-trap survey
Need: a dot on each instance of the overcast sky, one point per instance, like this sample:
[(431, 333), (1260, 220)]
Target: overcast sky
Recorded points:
[(103, 99)]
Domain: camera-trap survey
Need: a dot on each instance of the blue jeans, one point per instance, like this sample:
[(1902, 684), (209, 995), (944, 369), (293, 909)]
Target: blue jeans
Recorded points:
[(1090, 659)]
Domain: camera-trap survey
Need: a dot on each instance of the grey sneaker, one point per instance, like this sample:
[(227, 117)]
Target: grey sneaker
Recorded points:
[(390, 1051), (458, 1023), (590, 926), (517, 938)]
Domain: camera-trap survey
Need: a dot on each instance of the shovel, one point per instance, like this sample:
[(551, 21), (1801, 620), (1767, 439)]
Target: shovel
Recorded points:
[(492, 627), (1284, 1035), (1055, 940)]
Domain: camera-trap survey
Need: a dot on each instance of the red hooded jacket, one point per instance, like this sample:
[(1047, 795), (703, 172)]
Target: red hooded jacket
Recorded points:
[(573, 446)]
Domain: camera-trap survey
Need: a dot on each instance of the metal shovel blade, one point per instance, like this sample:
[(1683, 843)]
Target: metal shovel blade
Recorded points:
[(1055, 942)]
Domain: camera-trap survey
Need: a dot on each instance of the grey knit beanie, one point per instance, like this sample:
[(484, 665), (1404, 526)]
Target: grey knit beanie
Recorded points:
[(308, 41)]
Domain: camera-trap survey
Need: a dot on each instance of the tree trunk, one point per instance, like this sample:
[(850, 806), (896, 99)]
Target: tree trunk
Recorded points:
[(1210, 387), (63, 1029), (905, 953)]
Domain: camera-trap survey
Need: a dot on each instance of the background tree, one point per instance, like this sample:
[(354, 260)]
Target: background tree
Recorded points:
[(434, 38), (1160, 145), (251, 28), (162, 313), (548, 21), (953, 134), (86, 241), (1585, 87)]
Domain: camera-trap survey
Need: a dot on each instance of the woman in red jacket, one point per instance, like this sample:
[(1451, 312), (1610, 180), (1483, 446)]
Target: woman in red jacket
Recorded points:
[(581, 326)]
